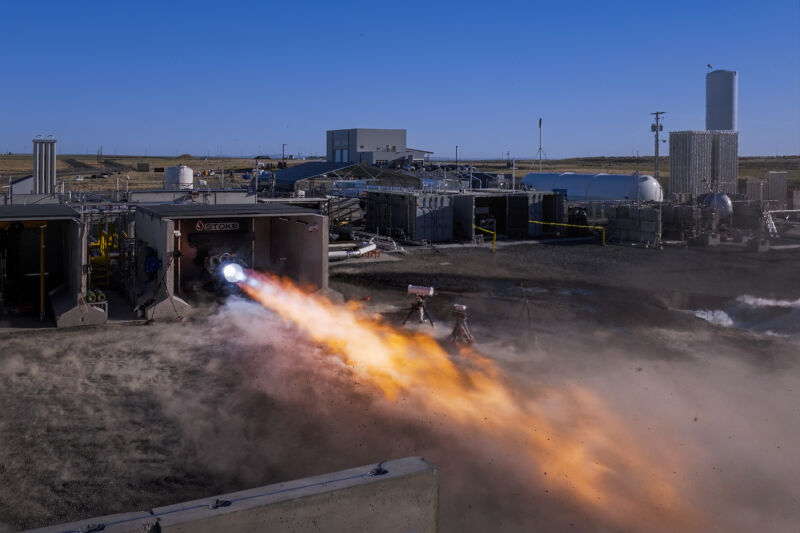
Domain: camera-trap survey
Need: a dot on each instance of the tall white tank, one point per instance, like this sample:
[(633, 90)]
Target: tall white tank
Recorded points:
[(722, 94), (178, 177)]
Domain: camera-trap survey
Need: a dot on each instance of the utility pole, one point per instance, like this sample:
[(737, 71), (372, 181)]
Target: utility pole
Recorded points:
[(513, 173), (657, 127), (540, 144), (283, 154), (470, 177), (456, 157)]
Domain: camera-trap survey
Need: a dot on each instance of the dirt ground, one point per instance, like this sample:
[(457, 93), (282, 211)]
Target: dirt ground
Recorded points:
[(124, 418)]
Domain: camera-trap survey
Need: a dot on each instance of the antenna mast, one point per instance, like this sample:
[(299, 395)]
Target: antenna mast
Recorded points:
[(540, 144), (657, 127)]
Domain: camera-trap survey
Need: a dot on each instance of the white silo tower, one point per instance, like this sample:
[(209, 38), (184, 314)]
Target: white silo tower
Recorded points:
[(179, 177), (722, 95)]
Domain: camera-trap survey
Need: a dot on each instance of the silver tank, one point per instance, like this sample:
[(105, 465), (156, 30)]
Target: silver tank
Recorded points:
[(721, 203)]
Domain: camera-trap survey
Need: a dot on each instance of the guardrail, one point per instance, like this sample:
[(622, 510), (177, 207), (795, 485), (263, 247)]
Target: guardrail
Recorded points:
[(493, 234), (600, 228)]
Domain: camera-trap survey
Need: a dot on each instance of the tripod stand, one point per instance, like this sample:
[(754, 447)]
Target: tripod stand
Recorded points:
[(419, 307), (461, 335)]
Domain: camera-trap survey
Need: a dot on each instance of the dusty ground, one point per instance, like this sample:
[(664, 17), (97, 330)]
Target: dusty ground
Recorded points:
[(125, 418)]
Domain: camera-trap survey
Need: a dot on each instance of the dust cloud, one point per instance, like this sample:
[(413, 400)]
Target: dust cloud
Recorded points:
[(126, 418)]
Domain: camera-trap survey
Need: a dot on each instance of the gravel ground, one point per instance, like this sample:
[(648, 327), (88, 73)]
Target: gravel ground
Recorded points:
[(106, 420)]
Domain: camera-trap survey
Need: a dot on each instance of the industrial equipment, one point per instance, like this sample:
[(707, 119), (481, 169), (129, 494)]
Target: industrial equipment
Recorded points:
[(420, 293), (461, 336)]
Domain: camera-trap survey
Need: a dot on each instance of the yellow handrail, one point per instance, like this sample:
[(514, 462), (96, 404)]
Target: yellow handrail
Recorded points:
[(494, 236), (601, 228)]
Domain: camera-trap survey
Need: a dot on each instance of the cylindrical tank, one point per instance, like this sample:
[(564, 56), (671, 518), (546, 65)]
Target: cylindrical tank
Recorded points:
[(722, 93), (179, 177), (598, 187)]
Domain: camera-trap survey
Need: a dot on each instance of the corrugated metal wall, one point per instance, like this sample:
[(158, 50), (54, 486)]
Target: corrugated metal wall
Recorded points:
[(756, 190), (434, 218), (776, 186), (703, 161), (689, 162), (725, 161)]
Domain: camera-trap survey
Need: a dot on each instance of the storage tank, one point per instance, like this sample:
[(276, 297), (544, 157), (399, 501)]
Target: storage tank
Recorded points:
[(598, 187), (722, 93), (721, 203), (178, 177)]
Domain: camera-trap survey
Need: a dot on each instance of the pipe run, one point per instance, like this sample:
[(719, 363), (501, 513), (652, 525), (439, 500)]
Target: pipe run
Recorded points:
[(347, 254)]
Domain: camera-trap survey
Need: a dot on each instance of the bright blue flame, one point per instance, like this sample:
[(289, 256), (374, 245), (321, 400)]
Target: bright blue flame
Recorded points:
[(233, 273)]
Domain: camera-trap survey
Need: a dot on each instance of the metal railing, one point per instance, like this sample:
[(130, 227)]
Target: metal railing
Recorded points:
[(600, 228), (493, 234)]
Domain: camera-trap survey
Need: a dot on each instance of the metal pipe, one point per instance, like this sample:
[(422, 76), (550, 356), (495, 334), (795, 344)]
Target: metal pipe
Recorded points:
[(345, 254), (41, 271)]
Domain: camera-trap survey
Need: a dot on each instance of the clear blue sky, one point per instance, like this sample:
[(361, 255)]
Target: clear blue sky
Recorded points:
[(241, 78)]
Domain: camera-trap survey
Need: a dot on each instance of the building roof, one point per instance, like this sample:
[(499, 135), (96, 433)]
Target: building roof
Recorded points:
[(38, 212), (224, 210), (14, 181), (286, 178)]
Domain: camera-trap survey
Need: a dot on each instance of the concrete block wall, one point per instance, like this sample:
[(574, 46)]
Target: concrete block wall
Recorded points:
[(402, 499)]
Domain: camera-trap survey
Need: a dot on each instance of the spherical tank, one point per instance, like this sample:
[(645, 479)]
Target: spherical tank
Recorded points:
[(721, 203)]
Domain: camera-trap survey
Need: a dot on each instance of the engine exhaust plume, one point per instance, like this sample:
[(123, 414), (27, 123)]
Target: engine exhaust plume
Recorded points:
[(565, 438)]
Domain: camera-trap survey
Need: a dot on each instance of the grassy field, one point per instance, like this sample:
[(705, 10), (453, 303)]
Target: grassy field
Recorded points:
[(70, 166)]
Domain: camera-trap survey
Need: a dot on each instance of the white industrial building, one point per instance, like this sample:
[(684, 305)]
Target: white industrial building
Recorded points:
[(371, 146)]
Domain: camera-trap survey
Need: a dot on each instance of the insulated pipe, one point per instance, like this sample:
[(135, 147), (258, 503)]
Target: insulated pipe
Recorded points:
[(35, 168), (41, 272), (343, 254), (51, 178)]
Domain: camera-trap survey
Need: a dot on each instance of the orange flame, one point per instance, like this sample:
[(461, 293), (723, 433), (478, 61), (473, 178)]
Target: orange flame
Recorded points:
[(569, 433)]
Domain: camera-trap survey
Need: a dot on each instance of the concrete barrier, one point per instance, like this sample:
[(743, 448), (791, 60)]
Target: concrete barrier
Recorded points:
[(395, 496)]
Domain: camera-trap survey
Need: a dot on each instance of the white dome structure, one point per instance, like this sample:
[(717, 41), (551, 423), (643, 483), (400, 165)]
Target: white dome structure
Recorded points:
[(597, 187)]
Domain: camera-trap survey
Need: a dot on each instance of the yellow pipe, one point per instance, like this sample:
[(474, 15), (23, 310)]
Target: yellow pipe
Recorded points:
[(601, 228), (494, 236)]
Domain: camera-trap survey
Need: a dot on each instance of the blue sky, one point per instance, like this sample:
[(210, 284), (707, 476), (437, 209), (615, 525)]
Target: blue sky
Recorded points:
[(242, 78)]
